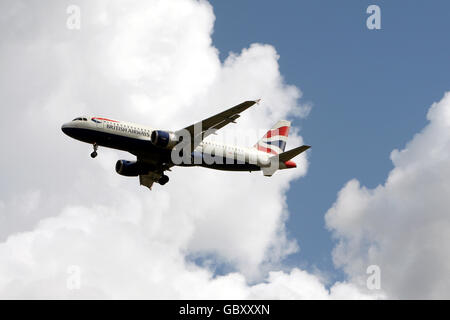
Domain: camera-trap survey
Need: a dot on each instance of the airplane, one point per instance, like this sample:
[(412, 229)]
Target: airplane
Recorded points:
[(158, 151)]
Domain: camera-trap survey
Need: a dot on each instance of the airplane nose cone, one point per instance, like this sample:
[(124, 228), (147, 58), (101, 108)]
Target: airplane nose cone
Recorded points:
[(68, 129), (64, 128)]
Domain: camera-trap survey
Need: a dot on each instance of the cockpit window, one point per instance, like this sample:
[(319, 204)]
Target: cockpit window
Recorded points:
[(79, 119)]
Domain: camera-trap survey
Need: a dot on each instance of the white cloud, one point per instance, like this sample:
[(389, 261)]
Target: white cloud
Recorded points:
[(119, 258), (402, 226)]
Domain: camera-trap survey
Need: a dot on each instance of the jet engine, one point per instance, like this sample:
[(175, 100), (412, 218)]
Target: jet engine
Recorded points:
[(131, 168), (164, 139)]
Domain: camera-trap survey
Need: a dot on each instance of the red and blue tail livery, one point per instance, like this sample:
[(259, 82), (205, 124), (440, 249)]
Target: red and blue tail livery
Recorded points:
[(274, 141)]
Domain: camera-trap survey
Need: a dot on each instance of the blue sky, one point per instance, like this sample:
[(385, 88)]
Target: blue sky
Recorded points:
[(370, 91)]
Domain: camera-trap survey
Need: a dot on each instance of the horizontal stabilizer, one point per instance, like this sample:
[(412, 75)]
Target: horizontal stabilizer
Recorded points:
[(288, 155)]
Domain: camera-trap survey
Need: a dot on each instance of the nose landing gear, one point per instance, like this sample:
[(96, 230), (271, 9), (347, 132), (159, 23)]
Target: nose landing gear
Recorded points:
[(94, 153)]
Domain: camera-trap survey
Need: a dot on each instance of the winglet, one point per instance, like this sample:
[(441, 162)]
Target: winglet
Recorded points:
[(257, 101)]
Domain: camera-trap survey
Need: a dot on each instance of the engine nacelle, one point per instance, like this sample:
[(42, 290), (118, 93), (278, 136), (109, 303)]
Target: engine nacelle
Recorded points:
[(131, 168), (164, 139)]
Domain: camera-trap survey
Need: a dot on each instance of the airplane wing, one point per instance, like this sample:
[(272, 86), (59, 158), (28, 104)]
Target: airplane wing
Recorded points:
[(202, 129), (214, 123)]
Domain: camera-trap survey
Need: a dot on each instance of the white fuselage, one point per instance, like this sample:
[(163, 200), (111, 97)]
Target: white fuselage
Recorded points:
[(124, 135)]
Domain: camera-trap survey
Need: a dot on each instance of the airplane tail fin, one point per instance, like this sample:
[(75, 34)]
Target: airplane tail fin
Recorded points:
[(274, 141)]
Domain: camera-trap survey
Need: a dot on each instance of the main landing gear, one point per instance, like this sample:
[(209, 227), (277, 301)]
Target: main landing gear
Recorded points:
[(94, 153), (163, 180)]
